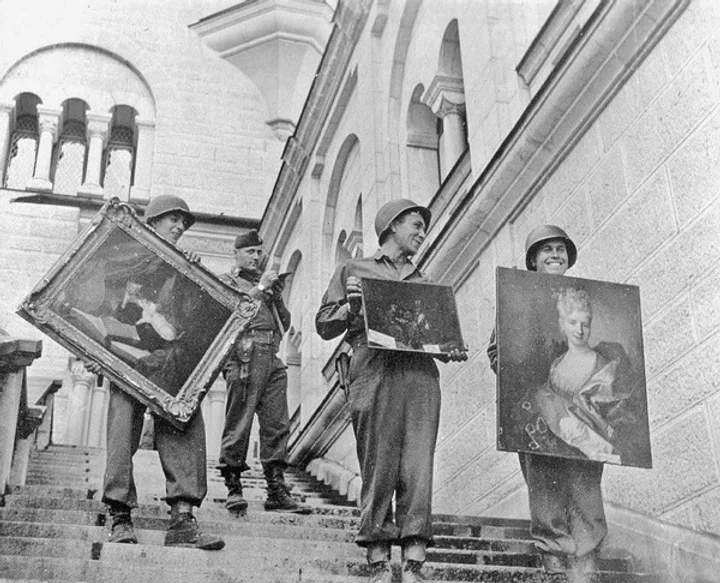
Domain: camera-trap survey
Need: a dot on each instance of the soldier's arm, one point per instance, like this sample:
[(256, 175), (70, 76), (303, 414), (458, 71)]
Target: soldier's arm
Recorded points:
[(334, 316)]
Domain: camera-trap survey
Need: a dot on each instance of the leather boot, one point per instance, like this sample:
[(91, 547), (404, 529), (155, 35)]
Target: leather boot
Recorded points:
[(121, 526), (235, 502), (185, 532), (412, 571), (279, 498)]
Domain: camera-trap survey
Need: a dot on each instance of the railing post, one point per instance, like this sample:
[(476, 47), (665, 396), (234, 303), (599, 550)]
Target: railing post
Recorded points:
[(15, 356)]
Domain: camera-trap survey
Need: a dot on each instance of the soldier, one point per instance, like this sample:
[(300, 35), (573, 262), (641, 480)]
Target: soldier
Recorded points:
[(566, 506), (256, 382), (394, 400), (182, 452)]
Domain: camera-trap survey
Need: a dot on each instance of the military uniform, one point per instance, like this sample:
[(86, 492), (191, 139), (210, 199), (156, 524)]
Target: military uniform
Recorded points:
[(256, 381), (394, 399)]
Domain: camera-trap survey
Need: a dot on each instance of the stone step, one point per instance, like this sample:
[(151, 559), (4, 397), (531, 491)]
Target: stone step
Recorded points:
[(156, 536), (47, 501), (146, 563), (160, 520), (53, 529)]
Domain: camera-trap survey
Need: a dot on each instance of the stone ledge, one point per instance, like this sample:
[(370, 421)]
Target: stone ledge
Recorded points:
[(16, 353), (680, 553)]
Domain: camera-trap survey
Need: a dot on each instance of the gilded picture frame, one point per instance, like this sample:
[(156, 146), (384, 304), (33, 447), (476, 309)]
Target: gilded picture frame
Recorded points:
[(571, 369), (159, 325)]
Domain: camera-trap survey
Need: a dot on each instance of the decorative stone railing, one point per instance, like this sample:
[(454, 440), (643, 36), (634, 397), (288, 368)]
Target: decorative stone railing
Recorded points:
[(21, 424)]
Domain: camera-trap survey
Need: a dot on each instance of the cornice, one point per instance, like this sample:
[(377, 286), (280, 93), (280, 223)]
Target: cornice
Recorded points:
[(349, 20)]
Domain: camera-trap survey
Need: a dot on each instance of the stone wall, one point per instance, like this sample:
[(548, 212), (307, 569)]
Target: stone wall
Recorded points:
[(638, 193)]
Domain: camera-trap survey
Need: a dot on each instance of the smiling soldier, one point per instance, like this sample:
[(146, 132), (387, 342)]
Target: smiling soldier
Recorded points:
[(394, 400)]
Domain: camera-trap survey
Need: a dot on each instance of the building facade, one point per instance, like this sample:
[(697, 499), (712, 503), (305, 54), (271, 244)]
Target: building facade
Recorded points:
[(104, 99), (600, 117)]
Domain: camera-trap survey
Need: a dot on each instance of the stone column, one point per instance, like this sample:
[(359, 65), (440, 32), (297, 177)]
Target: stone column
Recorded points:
[(446, 97), (144, 152), (48, 120), (453, 143), (15, 356), (78, 403), (6, 108), (98, 125), (214, 419), (96, 421)]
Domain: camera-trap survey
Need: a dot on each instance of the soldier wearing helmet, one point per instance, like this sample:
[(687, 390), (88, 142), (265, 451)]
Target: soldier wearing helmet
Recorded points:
[(146, 280), (394, 398), (566, 506)]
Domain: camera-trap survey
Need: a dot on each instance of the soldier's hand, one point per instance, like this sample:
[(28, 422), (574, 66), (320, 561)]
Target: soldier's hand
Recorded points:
[(353, 291), (192, 256), (458, 355), (268, 279), (455, 355), (92, 367)]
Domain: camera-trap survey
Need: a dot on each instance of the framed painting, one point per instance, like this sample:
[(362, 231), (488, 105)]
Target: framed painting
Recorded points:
[(159, 325), (414, 317), (571, 368)]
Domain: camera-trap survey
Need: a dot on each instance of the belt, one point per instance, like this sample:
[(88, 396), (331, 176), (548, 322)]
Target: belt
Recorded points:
[(261, 336)]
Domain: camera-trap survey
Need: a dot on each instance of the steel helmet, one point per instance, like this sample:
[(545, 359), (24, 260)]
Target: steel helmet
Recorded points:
[(167, 203), (544, 233), (393, 209)]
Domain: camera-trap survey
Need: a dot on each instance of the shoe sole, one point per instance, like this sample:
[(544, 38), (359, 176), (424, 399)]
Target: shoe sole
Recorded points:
[(212, 547), (237, 507), (290, 511)]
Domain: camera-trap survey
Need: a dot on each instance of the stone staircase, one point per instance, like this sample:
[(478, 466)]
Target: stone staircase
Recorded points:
[(53, 529)]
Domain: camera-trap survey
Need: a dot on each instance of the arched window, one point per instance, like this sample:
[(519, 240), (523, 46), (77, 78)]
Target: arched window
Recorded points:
[(69, 157), (23, 143), (120, 154), (446, 97), (423, 158)]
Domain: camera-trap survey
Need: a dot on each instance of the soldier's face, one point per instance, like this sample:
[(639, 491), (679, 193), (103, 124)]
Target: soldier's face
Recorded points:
[(248, 258), (409, 232), (552, 257), (171, 226)]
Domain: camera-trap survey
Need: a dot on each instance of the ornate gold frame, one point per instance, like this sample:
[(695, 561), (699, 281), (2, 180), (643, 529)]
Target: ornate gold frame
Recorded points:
[(232, 310)]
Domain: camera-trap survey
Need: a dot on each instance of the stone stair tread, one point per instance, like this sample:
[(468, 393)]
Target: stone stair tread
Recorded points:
[(52, 530)]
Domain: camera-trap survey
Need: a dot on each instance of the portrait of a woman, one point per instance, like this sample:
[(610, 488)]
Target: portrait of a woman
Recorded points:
[(582, 396)]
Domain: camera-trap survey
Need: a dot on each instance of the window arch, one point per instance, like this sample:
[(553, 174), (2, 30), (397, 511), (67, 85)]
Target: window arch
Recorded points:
[(423, 162), (69, 152), (119, 159), (24, 139), (70, 110), (341, 202), (446, 97)]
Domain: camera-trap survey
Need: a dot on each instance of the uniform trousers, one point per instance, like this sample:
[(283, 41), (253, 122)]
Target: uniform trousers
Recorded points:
[(182, 453), (395, 405), (566, 505), (264, 392)]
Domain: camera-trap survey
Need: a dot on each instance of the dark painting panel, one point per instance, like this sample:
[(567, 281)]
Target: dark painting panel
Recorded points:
[(415, 317), (571, 371)]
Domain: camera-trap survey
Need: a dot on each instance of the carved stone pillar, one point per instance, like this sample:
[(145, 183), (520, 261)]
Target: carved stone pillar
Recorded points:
[(48, 119), (446, 98), (6, 108), (96, 421), (143, 159), (214, 413), (78, 403), (15, 356), (98, 125)]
